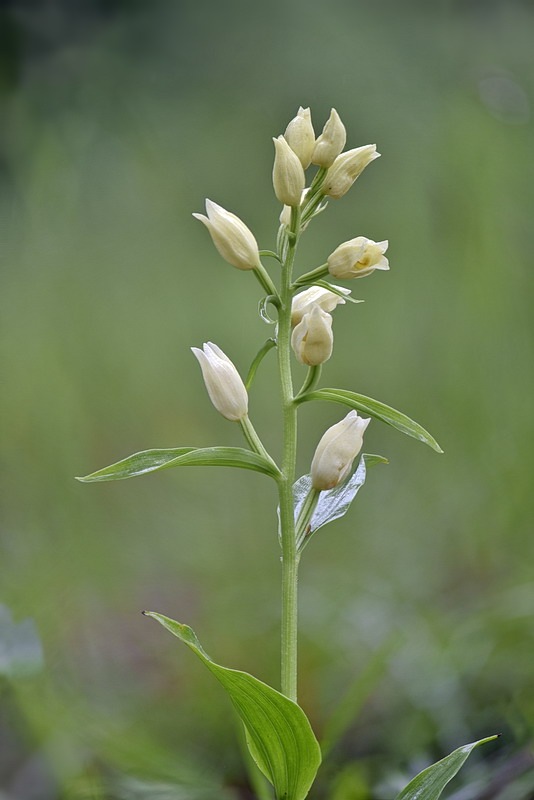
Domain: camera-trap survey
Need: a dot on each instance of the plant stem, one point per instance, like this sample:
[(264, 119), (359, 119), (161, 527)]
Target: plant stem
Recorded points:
[(314, 373), (310, 277), (264, 279), (290, 556), (305, 516), (254, 441)]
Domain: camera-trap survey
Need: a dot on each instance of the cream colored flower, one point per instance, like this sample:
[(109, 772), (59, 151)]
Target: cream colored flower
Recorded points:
[(357, 258), (331, 141), (226, 389), (346, 168), (234, 241), (303, 302), (312, 339), (288, 176), (339, 446), (300, 136)]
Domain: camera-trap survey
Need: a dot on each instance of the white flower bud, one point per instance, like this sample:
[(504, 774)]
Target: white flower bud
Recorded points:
[(312, 339), (288, 175), (339, 446), (285, 214), (300, 136), (331, 141), (303, 302), (226, 389), (234, 241), (346, 168), (357, 258)]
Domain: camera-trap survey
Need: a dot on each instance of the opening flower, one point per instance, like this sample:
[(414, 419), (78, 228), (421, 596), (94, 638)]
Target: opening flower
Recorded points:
[(303, 302), (357, 258)]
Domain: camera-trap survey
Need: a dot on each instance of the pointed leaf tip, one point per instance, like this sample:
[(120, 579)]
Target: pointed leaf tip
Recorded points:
[(429, 784), (375, 409), (278, 733), (153, 460)]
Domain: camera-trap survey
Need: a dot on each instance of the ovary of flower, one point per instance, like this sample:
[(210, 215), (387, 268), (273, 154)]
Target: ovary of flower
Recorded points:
[(303, 302), (331, 141), (288, 175), (346, 168), (339, 446), (300, 136), (225, 388), (357, 258), (312, 339), (234, 241)]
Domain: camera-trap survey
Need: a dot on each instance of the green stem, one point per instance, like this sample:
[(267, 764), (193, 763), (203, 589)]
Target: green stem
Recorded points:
[(305, 515), (290, 556), (317, 181), (313, 275), (264, 279), (269, 254), (253, 440), (314, 373)]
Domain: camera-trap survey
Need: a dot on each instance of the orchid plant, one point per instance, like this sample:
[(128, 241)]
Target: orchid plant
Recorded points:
[(278, 734)]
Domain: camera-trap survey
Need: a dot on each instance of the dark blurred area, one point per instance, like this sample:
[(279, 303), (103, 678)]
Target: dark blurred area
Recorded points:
[(118, 119)]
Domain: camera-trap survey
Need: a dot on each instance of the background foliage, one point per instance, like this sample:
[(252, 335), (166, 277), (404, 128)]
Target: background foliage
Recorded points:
[(121, 117)]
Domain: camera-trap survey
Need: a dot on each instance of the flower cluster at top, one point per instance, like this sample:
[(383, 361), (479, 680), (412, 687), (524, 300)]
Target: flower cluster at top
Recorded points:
[(312, 298)]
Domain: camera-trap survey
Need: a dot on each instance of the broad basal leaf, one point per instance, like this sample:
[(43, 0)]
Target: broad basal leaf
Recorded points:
[(333, 503), (153, 460), (279, 734), (375, 409), (429, 784)]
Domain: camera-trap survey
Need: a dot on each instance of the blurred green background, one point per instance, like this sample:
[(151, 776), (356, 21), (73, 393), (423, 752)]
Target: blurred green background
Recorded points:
[(119, 119)]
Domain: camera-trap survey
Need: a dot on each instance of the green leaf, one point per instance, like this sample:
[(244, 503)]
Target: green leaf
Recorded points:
[(429, 784), (154, 460), (279, 734), (375, 409)]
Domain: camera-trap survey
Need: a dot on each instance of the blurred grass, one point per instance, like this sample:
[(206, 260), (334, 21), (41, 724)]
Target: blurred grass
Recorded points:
[(117, 128)]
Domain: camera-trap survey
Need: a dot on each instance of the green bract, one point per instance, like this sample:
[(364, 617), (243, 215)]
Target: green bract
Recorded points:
[(331, 504)]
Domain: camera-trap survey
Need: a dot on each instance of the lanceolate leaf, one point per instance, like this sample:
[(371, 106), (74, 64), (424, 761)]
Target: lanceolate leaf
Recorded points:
[(153, 460), (333, 503), (429, 784), (279, 734), (375, 409)]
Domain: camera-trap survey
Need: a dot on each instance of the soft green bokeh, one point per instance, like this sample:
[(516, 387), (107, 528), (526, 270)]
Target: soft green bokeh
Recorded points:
[(117, 128)]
